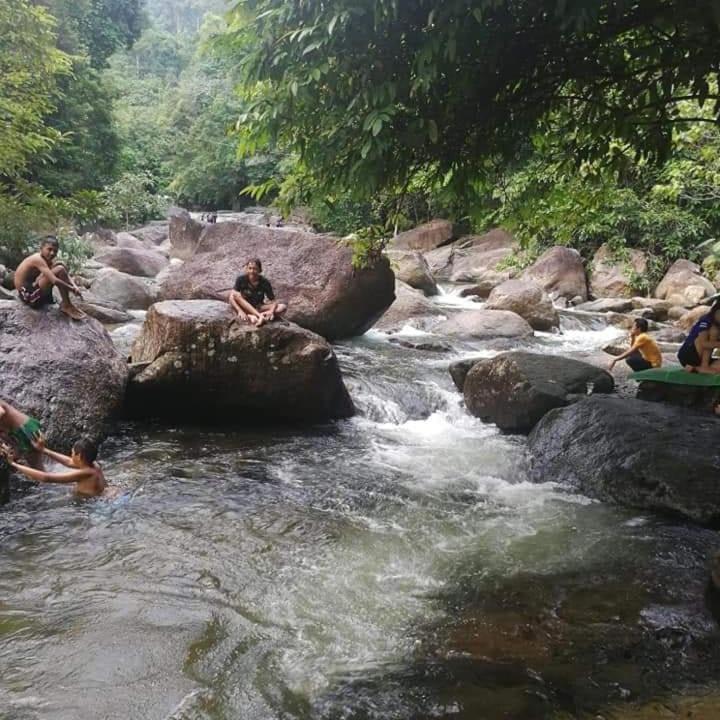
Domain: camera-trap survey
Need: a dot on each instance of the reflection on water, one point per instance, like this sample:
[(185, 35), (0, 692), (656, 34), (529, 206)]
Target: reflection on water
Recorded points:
[(396, 565)]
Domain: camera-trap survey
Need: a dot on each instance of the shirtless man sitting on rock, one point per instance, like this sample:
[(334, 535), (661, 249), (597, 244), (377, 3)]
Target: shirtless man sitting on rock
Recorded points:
[(37, 274), (253, 299)]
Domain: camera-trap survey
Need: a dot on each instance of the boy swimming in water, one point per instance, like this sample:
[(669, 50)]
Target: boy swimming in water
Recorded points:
[(85, 473), (23, 431)]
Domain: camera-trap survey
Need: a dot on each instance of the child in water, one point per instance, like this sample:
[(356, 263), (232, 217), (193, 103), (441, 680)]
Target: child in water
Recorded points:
[(85, 472)]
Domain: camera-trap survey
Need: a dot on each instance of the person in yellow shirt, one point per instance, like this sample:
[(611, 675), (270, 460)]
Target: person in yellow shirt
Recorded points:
[(644, 352)]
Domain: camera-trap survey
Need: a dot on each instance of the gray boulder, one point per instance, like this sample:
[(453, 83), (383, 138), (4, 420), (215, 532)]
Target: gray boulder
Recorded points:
[(476, 259), (425, 237), (111, 287), (411, 308), (205, 365), (312, 273), (485, 324), (154, 234), (410, 267), (642, 454), (528, 300), (560, 272), (440, 262), (132, 260), (684, 284), (605, 305), (515, 390), (64, 372), (611, 276)]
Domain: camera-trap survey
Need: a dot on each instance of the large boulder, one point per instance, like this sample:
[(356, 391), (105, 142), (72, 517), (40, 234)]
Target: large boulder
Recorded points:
[(684, 284), (528, 300), (515, 390), (642, 454), (485, 325), (440, 262), (560, 272), (426, 237), (477, 258), (611, 276), (64, 372), (411, 267), (687, 396), (155, 233), (132, 260), (126, 240), (184, 233), (205, 365), (312, 273), (114, 288), (411, 308)]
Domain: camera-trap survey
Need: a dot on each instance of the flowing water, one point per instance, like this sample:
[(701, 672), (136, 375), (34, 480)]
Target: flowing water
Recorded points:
[(396, 565)]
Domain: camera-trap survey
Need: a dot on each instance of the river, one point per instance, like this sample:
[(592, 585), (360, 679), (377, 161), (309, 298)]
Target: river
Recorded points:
[(396, 565)]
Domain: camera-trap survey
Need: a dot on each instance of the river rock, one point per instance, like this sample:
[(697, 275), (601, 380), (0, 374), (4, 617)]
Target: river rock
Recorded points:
[(126, 240), (642, 454), (113, 287), (476, 259), (205, 365), (485, 325), (425, 237), (440, 262), (460, 369), (411, 267), (411, 308), (528, 300), (560, 272), (702, 399), (184, 233), (515, 390), (104, 314), (312, 273), (64, 372), (611, 276), (133, 261), (684, 284), (154, 234), (660, 308), (605, 305)]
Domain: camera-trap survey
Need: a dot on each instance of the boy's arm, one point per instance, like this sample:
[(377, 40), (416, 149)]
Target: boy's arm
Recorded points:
[(39, 445), (41, 265), (48, 477)]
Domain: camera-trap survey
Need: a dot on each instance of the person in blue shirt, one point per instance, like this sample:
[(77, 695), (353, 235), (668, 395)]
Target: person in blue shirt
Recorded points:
[(695, 355)]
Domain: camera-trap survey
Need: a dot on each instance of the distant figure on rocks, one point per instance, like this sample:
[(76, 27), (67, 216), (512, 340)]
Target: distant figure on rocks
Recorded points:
[(212, 217), (644, 352), (38, 273), (85, 472), (23, 431), (695, 355), (253, 299)]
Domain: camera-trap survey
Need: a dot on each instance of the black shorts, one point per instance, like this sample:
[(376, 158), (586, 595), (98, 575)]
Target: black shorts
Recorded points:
[(35, 296), (688, 355)]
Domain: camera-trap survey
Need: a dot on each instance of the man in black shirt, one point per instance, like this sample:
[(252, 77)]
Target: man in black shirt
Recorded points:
[(253, 299)]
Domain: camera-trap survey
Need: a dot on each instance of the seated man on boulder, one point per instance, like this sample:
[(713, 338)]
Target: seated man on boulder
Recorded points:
[(253, 299), (695, 355), (644, 352), (38, 273), (22, 431)]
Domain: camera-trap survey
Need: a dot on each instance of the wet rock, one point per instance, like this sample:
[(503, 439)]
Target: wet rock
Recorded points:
[(690, 317), (477, 259), (124, 336), (560, 272), (312, 273), (460, 368), (670, 335), (702, 399), (528, 300), (411, 308), (104, 314), (475, 291), (423, 345), (129, 292), (642, 454), (660, 308), (440, 262), (139, 262), (684, 284), (155, 233), (204, 365), (611, 276), (515, 390), (626, 321), (603, 305), (411, 268), (425, 237), (485, 324), (65, 373)]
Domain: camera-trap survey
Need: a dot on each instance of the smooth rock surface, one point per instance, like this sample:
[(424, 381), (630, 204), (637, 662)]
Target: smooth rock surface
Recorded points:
[(477, 259), (485, 324), (204, 365), (411, 308), (312, 273), (528, 300), (611, 276), (684, 284), (411, 267), (560, 272), (139, 262), (425, 237), (642, 454), (515, 390), (64, 372), (129, 292)]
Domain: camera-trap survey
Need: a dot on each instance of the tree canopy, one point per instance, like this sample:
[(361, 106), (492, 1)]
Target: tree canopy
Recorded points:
[(368, 93)]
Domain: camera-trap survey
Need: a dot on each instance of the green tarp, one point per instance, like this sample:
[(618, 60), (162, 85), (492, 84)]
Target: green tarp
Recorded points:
[(676, 376)]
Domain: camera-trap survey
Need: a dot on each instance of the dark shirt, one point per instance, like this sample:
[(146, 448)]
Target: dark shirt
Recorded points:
[(702, 325), (256, 294)]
